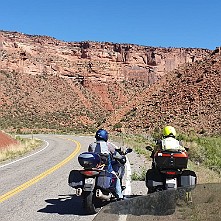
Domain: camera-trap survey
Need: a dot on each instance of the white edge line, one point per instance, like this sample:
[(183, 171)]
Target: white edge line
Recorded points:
[(26, 156)]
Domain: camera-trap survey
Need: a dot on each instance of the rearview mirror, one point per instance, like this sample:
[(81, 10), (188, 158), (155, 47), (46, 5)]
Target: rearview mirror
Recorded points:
[(149, 148), (128, 150)]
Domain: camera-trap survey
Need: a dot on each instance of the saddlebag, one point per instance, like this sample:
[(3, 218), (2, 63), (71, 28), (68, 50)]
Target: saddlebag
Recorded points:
[(188, 179), (153, 178), (104, 180), (76, 179), (171, 159)]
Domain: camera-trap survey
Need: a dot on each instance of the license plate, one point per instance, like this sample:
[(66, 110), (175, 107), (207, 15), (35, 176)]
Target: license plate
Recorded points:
[(171, 183), (89, 180)]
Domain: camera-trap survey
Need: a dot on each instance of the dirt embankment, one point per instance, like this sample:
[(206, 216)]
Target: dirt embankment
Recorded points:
[(6, 140)]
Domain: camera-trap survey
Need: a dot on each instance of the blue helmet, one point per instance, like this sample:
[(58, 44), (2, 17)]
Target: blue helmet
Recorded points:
[(101, 134)]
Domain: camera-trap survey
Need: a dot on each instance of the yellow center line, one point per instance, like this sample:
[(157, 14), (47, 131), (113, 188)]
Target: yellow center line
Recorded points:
[(42, 175)]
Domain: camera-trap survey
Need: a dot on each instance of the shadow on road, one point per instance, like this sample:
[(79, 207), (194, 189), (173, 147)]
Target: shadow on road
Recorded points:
[(65, 204), (203, 203)]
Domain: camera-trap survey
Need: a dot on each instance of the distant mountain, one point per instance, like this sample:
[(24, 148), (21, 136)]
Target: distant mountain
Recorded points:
[(53, 85)]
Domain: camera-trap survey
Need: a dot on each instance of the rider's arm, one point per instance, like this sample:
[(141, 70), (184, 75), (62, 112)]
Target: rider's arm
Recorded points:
[(182, 146), (158, 145), (113, 151)]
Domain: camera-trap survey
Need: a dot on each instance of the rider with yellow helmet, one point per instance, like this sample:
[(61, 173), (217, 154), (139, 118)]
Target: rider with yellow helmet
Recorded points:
[(169, 141)]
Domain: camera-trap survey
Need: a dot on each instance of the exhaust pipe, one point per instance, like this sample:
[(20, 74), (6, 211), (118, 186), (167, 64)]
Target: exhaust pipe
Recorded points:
[(78, 191), (100, 195)]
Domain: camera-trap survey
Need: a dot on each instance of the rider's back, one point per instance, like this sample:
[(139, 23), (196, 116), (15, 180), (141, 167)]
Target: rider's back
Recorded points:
[(170, 143)]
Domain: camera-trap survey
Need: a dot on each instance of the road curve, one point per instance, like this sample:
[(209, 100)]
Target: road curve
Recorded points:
[(35, 187)]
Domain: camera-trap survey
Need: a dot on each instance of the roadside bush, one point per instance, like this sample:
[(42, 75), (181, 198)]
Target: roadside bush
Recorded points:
[(139, 176), (204, 150)]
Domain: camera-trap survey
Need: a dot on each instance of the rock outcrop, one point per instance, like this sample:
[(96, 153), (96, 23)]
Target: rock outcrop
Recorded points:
[(91, 61)]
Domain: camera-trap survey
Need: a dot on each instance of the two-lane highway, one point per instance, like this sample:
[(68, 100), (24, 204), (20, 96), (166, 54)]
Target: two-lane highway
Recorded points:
[(35, 187)]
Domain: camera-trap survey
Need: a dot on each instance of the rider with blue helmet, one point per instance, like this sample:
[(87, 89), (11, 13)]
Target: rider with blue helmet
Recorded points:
[(102, 146)]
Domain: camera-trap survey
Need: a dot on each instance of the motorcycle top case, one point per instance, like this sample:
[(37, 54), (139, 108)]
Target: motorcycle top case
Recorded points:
[(89, 160), (171, 159)]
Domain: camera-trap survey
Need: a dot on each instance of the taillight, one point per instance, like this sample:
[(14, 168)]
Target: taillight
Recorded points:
[(171, 173), (89, 172)]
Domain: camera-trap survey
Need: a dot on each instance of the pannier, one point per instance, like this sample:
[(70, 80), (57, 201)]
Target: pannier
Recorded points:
[(188, 179), (75, 179), (105, 179), (153, 178)]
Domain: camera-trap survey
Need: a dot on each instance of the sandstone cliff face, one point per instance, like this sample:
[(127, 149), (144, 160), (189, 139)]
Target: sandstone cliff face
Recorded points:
[(91, 61), (46, 82)]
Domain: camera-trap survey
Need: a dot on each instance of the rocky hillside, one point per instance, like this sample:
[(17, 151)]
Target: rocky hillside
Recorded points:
[(189, 98), (51, 84)]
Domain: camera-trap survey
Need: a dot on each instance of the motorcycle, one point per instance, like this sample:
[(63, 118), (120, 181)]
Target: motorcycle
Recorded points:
[(169, 171), (95, 183)]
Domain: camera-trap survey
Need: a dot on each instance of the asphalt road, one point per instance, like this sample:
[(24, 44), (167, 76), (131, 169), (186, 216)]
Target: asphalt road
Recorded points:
[(35, 187)]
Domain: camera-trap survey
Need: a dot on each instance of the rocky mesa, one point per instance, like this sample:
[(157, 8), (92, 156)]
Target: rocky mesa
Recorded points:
[(51, 84)]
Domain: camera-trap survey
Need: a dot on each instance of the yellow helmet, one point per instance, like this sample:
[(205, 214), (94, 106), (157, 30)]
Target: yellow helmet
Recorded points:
[(169, 131)]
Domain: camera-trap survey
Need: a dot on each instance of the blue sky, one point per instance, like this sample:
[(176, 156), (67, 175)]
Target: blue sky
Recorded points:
[(158, 23)]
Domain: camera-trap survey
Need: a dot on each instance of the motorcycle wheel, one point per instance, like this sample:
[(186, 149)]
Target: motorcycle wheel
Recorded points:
[(91, 204), (151, 190), (155, 189)]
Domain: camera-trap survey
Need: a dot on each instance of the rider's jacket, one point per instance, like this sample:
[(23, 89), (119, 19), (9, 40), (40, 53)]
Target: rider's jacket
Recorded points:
[(104, 148), (169, 143), (101, 147)]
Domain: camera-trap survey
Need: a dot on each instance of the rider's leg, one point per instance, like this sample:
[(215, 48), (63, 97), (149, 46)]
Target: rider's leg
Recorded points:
[(118, 189)]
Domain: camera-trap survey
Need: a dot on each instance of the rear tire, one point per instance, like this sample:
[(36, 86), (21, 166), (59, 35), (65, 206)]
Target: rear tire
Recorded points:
[(90, 203), (151, 190)]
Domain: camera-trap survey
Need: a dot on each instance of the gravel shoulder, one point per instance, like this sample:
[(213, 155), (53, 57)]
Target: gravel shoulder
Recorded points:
[(138, 163)]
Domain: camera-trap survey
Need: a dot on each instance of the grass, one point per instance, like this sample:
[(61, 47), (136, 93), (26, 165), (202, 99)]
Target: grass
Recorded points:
[(25, 145), (204, 153), (137, 142), (139, 176)]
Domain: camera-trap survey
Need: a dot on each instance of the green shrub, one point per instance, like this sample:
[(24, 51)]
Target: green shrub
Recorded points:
[(117, 125), (205, 150), (139, 176)]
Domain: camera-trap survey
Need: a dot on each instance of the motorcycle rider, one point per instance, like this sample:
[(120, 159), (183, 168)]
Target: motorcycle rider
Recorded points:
[(169, 141), (107, 151), (171, 157)]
